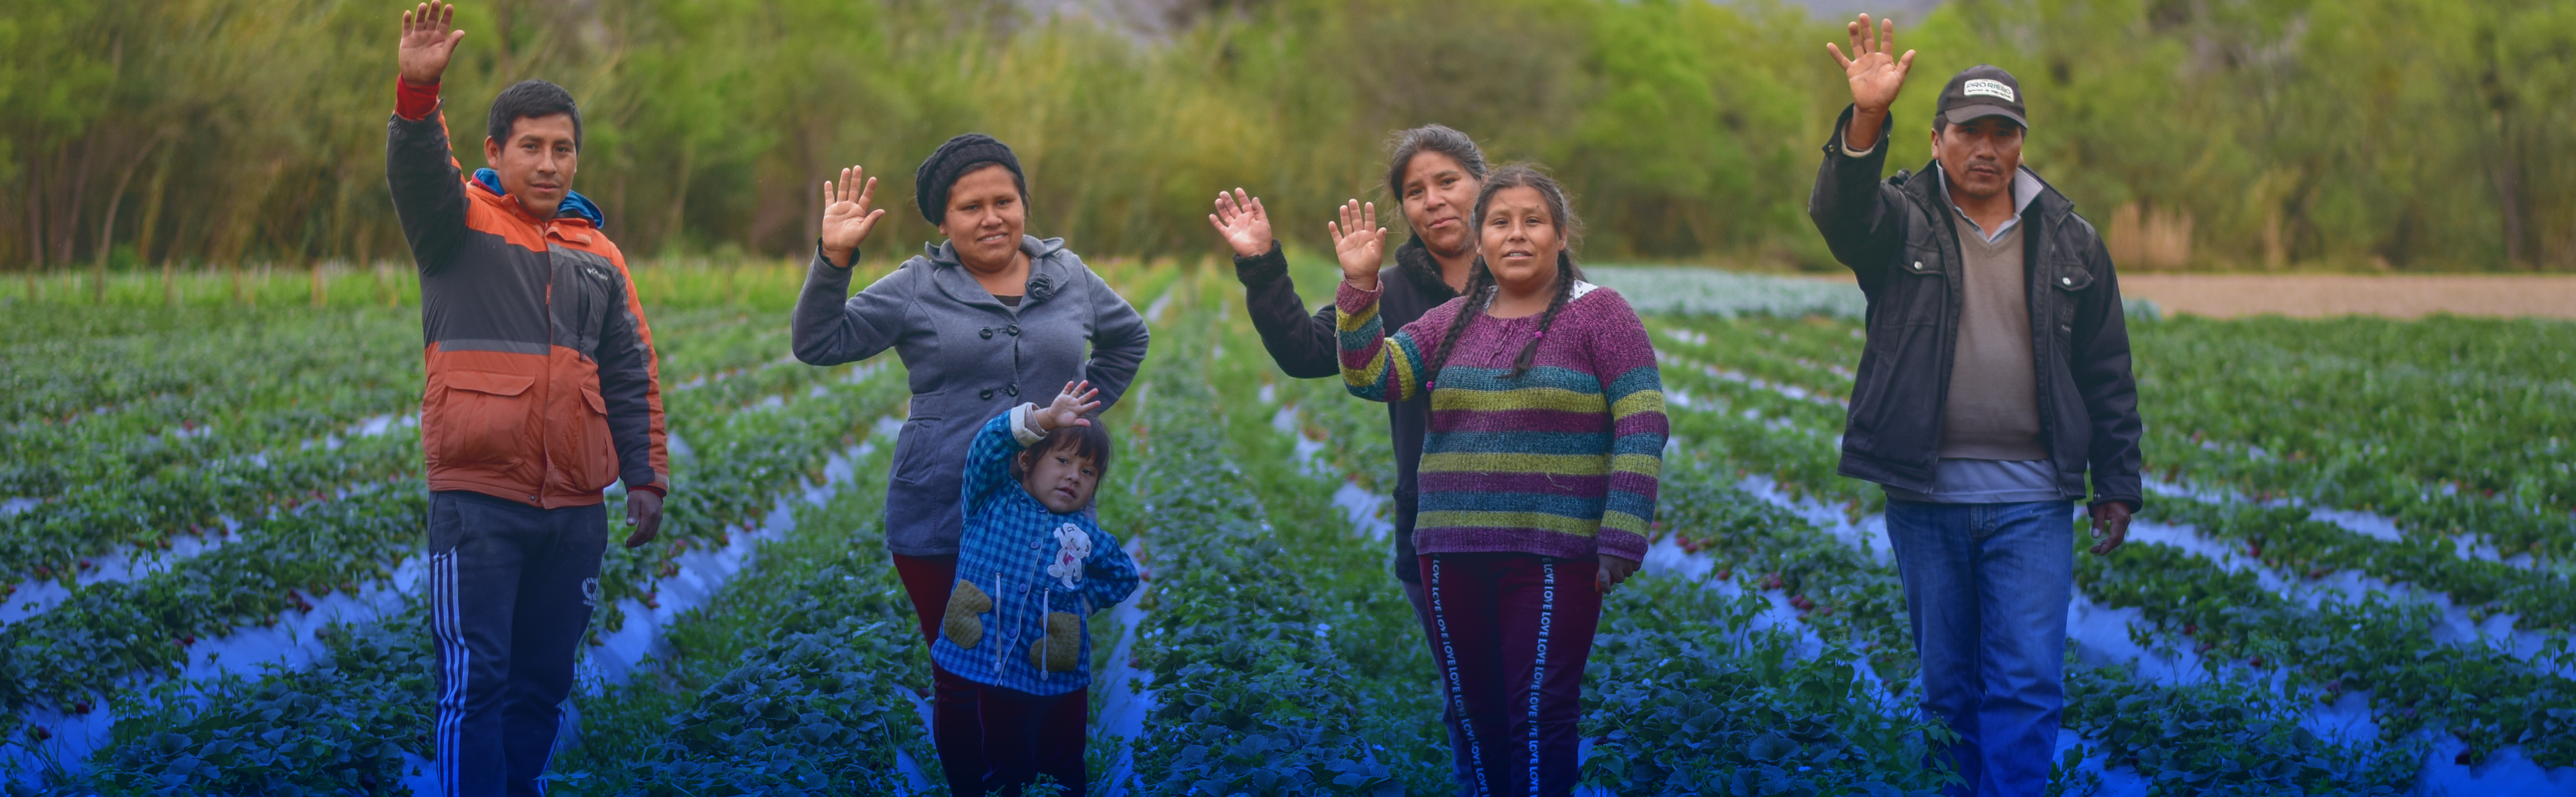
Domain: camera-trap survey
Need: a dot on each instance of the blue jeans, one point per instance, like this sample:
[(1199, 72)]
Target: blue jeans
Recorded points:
[(1986, 588)]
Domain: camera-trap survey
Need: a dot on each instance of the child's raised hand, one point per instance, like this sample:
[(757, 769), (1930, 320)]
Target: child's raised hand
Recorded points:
[(1069, 406)]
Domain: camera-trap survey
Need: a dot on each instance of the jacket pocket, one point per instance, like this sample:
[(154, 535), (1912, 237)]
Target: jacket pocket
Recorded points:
[(590, 449), (2071, 282), (1917, 293), (914, 457), (481, 420)]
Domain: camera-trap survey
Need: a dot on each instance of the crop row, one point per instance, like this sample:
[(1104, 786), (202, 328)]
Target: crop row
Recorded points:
[(1252, 693), (2486, 697), (2431, 519), (176, 731), (49, 540), (194, 399), (738, 454), (109, 633), (147, 382), (144, 507), (2288, 539), (2221, 736), (2487, 406), (793, 680)]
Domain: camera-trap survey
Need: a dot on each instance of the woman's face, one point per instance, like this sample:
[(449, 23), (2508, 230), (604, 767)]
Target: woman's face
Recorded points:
[(1520, 240), (1438, 197), (985, 218)]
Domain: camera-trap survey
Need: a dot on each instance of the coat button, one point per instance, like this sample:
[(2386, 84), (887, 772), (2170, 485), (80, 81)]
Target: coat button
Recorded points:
[(988, 333), (1918, 265), (986, 394), (2066, 280), (1014, 330), (1013, 390)]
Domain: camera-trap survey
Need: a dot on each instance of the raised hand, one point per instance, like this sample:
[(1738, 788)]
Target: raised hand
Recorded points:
[(846, 216), (1876, 74), (1070, 404), (1244, 223), (1360, 244), (1874, 69), (429, 38)]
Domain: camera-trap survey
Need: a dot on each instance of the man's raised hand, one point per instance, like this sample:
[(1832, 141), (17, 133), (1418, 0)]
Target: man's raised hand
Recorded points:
[(1244, 223), (1070, 404), (429, 38), (1876, 74), (1360, 244), (846, 216)]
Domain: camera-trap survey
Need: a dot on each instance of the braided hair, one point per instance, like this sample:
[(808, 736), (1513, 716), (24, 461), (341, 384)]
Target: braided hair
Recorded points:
[(1480, 278)]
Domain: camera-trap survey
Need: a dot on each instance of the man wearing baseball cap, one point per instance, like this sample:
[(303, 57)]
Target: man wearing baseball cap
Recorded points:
[(1996, 376)]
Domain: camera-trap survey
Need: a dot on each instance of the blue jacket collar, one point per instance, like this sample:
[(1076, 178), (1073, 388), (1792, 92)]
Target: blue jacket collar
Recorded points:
[(573, 203)]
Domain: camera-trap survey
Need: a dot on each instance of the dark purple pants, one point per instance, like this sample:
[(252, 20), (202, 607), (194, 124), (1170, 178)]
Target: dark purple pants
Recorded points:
[(955, 725), (1513, 631), (1029, 735)]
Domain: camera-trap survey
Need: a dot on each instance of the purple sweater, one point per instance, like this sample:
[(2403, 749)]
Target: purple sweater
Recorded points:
[(1560, 461)]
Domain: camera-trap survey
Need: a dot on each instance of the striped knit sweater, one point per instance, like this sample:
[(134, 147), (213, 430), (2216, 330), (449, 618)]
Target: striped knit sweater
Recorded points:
[(1561, 461)]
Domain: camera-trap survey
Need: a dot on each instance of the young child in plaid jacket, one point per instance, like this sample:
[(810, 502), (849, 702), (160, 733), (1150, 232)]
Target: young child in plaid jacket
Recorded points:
[(1031, 566)]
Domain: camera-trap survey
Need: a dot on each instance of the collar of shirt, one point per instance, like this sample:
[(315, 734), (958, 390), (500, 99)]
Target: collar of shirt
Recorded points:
[(2025, 187)]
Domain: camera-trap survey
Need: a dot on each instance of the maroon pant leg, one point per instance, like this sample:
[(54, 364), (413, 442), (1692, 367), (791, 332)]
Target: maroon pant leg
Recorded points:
[(1514, 633), (954, 725), (1549, 610), (1029, 735)]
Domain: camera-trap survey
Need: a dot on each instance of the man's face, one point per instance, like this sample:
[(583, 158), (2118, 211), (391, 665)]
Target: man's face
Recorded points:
[(1438, 196), (1979, 156), (985, 217), (1059, 478), (537, 163)]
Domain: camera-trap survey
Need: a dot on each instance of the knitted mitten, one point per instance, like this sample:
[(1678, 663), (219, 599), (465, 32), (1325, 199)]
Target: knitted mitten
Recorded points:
[(961, 624), (1061, 649)]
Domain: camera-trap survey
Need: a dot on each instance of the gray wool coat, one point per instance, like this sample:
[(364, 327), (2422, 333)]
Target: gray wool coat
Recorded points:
[(969, 358)]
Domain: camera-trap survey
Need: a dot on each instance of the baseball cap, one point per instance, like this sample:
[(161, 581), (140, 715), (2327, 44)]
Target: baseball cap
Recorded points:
[(1981, 90)]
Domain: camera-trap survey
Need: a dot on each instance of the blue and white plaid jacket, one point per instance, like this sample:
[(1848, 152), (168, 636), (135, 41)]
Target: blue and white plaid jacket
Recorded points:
[(1010, 540)]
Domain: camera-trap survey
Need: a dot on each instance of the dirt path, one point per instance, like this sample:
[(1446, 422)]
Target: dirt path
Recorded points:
[(2231, 295)]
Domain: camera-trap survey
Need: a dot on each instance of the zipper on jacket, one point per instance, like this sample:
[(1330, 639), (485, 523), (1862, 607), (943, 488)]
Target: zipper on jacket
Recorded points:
[(545, 459)]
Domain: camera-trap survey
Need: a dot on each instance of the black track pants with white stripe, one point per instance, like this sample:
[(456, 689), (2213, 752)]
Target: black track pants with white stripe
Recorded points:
[(511, 588), (1513, 631)]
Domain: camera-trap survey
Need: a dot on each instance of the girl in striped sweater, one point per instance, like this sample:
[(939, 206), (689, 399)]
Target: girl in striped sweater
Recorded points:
[(1547, 433)]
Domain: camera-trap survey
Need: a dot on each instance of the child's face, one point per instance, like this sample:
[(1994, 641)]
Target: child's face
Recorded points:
[(1060, 479)]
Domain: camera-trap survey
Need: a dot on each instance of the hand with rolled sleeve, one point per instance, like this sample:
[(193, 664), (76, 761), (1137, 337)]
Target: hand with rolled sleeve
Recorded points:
[(1876, 75)]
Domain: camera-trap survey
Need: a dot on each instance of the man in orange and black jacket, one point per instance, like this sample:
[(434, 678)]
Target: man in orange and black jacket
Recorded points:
[(543, 389)]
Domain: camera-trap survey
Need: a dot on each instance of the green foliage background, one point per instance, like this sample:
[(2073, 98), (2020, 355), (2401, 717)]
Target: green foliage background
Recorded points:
[(2405, 134)]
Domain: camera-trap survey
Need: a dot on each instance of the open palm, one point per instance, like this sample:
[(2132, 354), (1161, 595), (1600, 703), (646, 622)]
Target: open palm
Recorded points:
[(429, 37), (1245, 225), (846, 215), (1359, 243), (1874, 69)]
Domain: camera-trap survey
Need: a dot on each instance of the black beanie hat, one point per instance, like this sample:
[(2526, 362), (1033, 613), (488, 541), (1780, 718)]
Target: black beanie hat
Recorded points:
[(954, 159)]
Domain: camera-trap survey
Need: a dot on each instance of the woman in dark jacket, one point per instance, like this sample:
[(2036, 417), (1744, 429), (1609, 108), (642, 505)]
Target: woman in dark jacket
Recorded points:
[(977, 320), (1433, 174)]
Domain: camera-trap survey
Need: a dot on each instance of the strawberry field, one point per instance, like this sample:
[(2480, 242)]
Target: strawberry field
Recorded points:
[(2354, 575)]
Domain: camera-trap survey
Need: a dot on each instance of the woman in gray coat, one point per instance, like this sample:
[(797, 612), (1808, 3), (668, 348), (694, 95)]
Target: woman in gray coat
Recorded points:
[(978, 320)]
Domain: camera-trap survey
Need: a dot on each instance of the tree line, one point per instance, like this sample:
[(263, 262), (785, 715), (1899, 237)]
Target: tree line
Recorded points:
[(2236, 134)]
